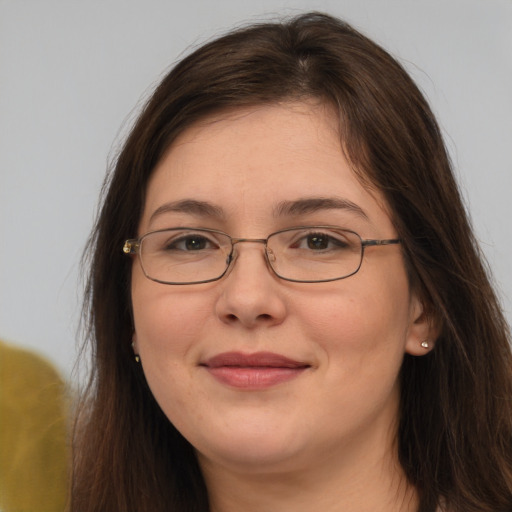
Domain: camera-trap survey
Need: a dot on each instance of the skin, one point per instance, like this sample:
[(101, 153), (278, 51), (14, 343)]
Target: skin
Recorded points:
[(326, 439)]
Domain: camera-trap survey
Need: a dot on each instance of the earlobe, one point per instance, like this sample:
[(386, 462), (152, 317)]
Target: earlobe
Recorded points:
[(423, 330), (135, 348)]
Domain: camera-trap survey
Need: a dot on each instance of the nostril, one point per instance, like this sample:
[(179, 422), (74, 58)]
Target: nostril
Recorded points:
[(233, 317)]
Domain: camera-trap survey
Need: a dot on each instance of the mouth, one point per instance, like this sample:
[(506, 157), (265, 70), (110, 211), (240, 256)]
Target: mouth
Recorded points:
[(253, 371)]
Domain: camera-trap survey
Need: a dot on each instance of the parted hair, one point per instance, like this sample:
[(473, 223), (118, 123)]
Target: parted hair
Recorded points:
[(455, 425)]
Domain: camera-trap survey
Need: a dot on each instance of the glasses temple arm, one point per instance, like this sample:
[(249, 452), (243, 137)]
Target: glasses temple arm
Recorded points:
[(389, 241)]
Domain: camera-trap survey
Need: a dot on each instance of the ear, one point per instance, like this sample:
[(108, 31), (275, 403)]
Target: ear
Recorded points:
[(423, 329)]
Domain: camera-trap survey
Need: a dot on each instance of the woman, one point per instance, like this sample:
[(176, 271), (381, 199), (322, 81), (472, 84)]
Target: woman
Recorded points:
[(287, 305)]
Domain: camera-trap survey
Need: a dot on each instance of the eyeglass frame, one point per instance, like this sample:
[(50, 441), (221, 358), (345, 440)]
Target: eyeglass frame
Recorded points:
[(132, 246)]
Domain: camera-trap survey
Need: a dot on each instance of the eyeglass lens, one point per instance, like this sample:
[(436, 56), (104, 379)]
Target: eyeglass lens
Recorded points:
[(309, 254)]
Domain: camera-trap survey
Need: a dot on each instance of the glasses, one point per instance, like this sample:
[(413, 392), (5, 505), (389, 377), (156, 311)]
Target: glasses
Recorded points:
[(306, 254)]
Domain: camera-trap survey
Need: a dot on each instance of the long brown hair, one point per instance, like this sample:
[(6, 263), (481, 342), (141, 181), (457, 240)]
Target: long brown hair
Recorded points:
[(455, 433)]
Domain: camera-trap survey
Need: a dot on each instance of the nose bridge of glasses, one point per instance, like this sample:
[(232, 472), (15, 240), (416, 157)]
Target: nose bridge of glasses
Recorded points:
[(235, 241)]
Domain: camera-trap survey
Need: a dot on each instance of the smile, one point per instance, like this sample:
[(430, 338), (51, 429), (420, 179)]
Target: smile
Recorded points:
[(253, 371)]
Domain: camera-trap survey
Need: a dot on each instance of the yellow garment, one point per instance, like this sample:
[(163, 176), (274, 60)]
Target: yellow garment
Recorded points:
[(33, 427)]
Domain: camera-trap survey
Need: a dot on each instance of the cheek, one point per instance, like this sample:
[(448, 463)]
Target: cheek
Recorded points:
[(361, 329), (167, 322), (362, 338), (168, 326)]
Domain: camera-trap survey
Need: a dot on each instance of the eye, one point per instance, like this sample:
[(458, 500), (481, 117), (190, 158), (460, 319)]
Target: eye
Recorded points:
[(320, 241), (190, 243)]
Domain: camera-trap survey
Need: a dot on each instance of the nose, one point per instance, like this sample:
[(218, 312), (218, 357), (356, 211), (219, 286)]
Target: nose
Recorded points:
[(251, 294)]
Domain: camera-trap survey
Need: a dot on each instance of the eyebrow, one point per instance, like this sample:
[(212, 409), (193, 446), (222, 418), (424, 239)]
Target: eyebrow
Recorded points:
[(314, 204), (190, 206), (283, 209)]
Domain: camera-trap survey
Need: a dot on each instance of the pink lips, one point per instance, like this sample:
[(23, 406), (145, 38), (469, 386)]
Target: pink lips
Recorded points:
[(253, 371)]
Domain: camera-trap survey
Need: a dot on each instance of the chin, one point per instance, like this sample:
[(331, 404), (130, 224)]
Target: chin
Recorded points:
[(252, 450)]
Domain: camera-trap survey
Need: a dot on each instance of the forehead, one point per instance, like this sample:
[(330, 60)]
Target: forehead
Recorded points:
[(251, 160)]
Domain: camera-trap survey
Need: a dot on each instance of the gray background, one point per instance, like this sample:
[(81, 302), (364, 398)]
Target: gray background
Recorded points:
[(72, 74)]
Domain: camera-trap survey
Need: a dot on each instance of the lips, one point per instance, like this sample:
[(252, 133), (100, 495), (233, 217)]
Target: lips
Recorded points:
[(253, 371)]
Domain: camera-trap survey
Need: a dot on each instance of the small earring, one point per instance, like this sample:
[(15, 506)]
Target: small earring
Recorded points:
[(424, 344), (137, 357)]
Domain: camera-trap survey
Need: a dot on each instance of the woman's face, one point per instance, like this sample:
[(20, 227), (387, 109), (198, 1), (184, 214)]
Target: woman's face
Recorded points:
[(256, 372)]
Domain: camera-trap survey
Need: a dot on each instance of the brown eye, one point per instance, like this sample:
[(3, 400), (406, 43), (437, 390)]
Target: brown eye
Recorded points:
[(189, 243), (318, 242), (195, 243)]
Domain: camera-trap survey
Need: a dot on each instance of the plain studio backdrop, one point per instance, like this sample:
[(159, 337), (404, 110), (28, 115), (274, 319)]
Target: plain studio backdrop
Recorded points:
[(73, 74)]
